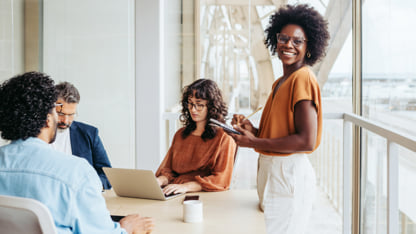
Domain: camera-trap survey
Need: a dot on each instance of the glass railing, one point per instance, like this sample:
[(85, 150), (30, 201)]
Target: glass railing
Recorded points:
[(388, 172)]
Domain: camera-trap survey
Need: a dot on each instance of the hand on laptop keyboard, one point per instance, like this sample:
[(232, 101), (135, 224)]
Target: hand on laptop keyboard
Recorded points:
[(191, 186)]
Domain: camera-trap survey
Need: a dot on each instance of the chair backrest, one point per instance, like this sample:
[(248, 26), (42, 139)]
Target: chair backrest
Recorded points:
[(25, 215), (234, 166)]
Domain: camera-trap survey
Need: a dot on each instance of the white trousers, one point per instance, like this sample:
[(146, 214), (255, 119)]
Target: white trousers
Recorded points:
[(286, 189)]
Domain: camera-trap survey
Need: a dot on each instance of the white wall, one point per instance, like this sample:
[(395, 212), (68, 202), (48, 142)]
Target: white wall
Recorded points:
[(158, 75), (125, 59), (91, 44), (11, 41), (11, 38), (172, 54), (149, 83)]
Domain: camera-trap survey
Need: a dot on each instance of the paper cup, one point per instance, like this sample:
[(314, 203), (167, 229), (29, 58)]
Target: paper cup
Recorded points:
[(192, 211)]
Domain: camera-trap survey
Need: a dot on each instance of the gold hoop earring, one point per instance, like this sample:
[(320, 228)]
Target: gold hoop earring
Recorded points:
[(308, 54)]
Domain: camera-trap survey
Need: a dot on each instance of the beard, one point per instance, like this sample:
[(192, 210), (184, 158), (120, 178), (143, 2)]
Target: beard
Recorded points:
[(62, 125), (55, 129)]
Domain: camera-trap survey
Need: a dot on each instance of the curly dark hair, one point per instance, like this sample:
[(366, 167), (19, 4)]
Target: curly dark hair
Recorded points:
[(25, 103), (217, 109), (311, 21)]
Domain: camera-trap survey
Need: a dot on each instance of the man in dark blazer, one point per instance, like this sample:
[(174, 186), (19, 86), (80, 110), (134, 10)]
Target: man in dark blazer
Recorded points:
[(78, 138)]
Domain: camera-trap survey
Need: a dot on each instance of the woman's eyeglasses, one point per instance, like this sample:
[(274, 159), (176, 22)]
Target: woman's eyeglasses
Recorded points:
[(197, 106), (284, 39)]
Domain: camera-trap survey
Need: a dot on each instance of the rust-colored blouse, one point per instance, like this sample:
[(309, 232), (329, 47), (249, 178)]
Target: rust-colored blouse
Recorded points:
[(278, 118), (209, 162)]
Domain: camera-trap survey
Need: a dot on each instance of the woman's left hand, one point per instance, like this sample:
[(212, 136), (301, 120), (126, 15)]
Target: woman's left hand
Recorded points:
[(174, 189)]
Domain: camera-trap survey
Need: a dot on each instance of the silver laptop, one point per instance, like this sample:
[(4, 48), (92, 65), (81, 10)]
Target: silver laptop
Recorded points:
[(136, 183)]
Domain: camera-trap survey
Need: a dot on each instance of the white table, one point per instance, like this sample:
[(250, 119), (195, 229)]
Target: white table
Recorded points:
[(228, 212)]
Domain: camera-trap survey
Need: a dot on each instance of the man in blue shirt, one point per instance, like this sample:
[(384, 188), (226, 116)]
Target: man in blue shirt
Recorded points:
[(30, 168), (78, 138)]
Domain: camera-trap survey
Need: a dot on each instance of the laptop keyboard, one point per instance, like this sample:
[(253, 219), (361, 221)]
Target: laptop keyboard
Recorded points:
[(170, 195)]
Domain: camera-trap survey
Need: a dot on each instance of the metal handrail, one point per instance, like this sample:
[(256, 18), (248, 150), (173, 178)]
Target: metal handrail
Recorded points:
[(389, 133)]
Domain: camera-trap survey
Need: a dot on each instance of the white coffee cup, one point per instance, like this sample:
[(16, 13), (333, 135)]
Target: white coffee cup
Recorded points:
[(192, 211)]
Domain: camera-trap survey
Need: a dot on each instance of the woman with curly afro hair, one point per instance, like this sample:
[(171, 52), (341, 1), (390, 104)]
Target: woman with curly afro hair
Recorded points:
[(201, 156), (291, 123)]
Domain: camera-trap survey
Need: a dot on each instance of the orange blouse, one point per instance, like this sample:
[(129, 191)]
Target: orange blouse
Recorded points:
[(209, 162), (278, 118)]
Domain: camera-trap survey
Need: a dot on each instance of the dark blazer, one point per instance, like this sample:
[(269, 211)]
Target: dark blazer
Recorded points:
[(86, 143)]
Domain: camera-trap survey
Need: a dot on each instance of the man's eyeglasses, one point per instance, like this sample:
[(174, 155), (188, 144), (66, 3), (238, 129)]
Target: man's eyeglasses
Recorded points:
[(284, 39), (60, 114), (197, 106)]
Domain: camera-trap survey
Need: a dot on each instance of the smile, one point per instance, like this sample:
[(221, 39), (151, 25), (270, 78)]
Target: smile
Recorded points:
[(288, 53)]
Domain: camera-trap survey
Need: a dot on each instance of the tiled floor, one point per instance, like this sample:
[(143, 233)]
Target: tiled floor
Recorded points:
[(324, 218)]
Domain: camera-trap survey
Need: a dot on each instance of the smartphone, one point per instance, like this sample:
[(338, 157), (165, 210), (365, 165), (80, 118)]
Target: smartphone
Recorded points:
[(116, 218), (224, 126), (191, 197)]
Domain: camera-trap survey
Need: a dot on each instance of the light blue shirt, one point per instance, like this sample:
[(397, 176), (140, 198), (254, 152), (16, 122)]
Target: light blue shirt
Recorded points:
[(67, 185)]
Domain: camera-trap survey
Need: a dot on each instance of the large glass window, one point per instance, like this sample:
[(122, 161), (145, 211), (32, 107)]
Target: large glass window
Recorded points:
[(389, 75), (389, 97)]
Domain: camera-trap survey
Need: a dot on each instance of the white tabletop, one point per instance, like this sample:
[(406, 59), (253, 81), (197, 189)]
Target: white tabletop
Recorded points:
[(228, 212)]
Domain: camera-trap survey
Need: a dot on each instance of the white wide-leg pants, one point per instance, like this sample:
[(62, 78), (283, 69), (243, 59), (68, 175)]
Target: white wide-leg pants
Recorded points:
[(286, 189)]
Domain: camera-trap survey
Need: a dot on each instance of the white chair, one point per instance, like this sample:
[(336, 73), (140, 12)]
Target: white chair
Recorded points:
[(25, 215), (233, 177)]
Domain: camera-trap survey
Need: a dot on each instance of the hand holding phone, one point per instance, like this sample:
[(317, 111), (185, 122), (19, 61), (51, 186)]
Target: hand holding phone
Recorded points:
[(224, 126)]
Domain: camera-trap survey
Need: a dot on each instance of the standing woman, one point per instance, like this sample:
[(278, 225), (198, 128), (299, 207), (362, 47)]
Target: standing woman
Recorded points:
[(201, 156), (291, 123)]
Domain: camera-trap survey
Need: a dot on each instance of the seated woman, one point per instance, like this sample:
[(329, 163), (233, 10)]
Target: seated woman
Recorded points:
[(201, 156)]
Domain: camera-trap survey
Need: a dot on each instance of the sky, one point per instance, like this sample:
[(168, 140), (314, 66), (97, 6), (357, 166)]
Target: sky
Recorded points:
[(389, 35)]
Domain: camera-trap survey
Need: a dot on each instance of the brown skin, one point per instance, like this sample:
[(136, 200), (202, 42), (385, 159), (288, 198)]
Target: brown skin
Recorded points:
[(306, 121), (135, 224), (200, 118), (306, 118), (48, 132)]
